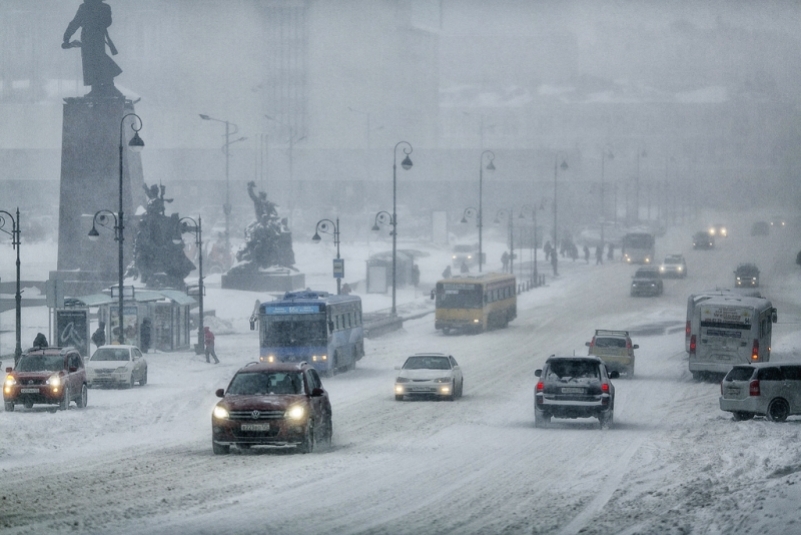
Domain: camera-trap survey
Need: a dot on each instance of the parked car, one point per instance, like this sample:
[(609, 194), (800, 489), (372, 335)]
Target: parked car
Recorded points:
[(762, 389), (273, 405), (673, 266), (646, 281), (703, 240), (760, 228), (464, 254), (746, 276), (574, 387), (116, 365), (429, 375), (50, 376), (718, 230), (615, 349)]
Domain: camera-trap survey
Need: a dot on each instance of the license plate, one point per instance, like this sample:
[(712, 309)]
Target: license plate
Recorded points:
[(29, 390), (255, 427), (572, 391)]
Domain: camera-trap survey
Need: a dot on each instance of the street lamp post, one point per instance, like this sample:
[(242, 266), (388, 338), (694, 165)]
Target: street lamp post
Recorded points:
[(330, 227), (15, 243), (227, 205), (606, 153), (555, 257), (135, 144), (509, 214), (188, 224), (640, 152), (490, 167), (534, 274)]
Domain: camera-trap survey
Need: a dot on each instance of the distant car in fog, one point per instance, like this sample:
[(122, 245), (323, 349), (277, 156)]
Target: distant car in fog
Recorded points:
[(746, 276), (718, 230), (646, 281), (760, 228), (464, 253), (703, 240), (673, 266), (778, 222)]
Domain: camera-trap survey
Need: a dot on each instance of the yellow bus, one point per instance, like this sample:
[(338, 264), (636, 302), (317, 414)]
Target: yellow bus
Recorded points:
[(475, 303)]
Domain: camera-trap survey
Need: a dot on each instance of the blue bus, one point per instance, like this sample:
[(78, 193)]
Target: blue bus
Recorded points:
[(320, 328)]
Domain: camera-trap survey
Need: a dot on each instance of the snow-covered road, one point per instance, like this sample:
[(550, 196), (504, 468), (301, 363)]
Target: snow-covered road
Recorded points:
[(140, 460)]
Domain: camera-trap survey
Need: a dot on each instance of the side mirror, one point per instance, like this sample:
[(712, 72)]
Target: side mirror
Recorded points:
[(219, 393), (636, 346), (317, 392), (614, 375), (396, 367), (432, 294), (587, 344), (774, 317), (537, 373), (9, 369), (252, 325), (331, 326)]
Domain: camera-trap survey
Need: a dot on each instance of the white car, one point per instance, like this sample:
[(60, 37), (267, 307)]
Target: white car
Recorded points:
[(429, 375), (116, 365), (673, 266)]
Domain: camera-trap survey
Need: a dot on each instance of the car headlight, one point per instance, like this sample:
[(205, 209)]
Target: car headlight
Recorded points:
[(662, 269), (268, 358), (54, 380), (297, 412), (442, 380), (680, 269), (10, 380), (219, 412), (402, 380)]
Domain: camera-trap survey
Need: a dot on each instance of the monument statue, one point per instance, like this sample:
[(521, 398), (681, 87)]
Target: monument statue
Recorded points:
[(268, 240), (99, 70), (155, 252)]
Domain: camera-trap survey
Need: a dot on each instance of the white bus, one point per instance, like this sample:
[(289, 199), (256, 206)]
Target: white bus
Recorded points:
[(638, 248), (731, 331), (692, 301)]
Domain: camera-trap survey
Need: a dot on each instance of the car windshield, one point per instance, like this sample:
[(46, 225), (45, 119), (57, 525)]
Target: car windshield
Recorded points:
[(673, 260), (265, 383), (647, 274), (427, 363), (564, 370), (41, 363), (463, 249), (109, 354), (610, 342)]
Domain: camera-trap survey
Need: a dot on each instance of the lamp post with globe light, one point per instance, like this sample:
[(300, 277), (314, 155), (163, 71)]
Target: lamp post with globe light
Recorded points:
[(15, 243), (329, 227)]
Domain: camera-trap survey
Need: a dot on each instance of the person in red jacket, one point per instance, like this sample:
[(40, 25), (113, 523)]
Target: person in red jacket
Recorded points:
[(208, 341)]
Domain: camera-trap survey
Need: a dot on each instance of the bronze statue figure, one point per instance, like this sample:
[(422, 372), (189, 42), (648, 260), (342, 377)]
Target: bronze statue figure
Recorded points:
[(99, 70)]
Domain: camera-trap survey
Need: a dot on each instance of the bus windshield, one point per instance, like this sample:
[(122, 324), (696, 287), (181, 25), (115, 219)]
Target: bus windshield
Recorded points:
[(459, 295), (638, 241), (294, 330)]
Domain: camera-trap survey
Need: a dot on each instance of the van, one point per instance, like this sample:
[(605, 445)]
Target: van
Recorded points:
[(771, 390), (731, 331), (694, 299)]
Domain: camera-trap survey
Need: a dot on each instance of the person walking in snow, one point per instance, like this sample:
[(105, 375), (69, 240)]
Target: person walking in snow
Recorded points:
[(208, 341)]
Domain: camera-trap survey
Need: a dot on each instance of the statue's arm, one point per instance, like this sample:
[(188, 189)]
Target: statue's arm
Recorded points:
[(74, 24), (251, 194)]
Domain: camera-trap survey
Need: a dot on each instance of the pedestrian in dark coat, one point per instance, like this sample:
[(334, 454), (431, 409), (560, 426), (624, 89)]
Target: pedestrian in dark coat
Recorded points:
[(99, 336), (586, 254), (208, 341), (599, 255), (505, 261), (446, 274), (40, 342)]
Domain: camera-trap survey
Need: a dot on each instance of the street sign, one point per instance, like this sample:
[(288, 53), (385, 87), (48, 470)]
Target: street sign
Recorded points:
[(339, 268)]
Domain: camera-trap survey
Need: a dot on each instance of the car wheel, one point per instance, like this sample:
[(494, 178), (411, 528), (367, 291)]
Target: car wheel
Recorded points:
[(329, 431), (607, 420), (131, 381), (84, 398), (541, 419), (65, 400), (219, 449), (307, 446), (740, 416), (778, 410), (398, 397), (630, 372), (143, 380), (9, 406), (28, 404), (453, 392), (446, 331), (697, 376), (461, 388)]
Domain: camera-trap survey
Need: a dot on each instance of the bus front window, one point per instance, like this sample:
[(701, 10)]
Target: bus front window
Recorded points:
[(459, 296), (294, 331)]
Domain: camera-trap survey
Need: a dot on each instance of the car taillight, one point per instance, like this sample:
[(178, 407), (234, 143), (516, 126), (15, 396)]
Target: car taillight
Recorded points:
[(540, 386), (692, 345), (755, 350), (628, 344), (687, 330), (605, 388), (753, 388)]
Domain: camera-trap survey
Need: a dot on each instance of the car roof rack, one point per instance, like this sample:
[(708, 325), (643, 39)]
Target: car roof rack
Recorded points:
[(609, 332)]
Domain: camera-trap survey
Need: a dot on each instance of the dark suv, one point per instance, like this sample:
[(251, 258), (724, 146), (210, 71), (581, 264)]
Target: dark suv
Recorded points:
[(278, 404), (647, 281), (50, 376), (574, 387), (746, 276)]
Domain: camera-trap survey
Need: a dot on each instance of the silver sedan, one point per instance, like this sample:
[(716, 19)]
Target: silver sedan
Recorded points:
[(429, 375)]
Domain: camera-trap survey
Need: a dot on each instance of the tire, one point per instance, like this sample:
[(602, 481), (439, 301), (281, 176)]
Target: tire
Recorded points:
[(607, 420), (328, 431), (9, 406), (398, 397), (461, 388), (446, 331), (143, 380), (83, 399), (778, 410), (219, 449), (697, 376), (307, 446), (131, 382), (541, 419), (630, 372), (28, 404), (65, 400), (453, 392), (741, 416)]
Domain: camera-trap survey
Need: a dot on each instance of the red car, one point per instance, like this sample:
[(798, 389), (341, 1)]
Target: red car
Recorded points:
[(278, 405), (50, 376)]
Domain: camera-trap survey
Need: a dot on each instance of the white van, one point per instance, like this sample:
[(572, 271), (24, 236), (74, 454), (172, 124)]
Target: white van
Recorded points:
[(731, 331), (694, 299)]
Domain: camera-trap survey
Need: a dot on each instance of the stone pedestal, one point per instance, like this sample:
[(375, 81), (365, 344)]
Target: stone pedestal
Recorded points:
[(90, 181)]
